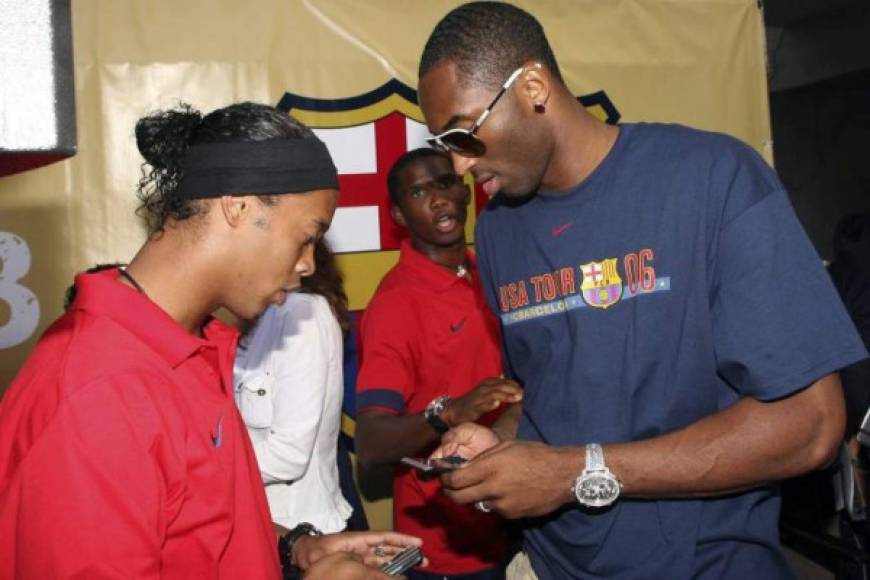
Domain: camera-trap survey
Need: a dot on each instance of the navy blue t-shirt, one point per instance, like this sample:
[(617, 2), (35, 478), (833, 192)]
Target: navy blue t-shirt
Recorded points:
[(674, 280)]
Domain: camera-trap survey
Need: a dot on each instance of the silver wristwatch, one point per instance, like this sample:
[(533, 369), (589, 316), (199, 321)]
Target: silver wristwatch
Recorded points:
[(433, 411), (597, 486)]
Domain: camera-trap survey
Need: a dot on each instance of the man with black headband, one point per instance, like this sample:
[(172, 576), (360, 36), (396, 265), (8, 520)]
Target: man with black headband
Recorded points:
[(121, 451)]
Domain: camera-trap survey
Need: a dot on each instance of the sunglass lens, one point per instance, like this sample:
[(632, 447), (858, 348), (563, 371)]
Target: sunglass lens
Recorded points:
[(464, 144)]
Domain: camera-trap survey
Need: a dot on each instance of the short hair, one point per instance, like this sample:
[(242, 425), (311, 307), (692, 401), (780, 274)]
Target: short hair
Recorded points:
[(402, 162), (163, 138), (487, 41)]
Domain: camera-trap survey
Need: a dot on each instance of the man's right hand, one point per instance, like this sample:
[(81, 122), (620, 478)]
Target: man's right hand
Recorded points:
[(488, 396), (467, 440)]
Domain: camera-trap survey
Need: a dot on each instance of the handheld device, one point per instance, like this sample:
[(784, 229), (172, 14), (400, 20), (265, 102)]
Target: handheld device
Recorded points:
[(403, 561), (434, 466), (421, 465), (447, 463)]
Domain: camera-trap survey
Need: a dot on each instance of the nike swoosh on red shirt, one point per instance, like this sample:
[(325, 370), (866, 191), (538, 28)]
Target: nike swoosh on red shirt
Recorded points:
[(559, 230), (217, 436)]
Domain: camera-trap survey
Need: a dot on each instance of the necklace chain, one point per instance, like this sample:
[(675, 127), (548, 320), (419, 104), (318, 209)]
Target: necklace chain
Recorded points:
[(123, 272)]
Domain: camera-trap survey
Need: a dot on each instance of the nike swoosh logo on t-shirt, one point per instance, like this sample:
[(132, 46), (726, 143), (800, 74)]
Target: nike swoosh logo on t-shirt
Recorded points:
[(559, 230)]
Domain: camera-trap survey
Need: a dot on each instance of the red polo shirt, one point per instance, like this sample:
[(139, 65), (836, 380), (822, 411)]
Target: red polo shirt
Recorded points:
[(122, 453), (426, 333)]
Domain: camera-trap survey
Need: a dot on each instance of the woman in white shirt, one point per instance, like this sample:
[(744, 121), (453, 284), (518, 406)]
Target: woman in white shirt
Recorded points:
[(289, 388)]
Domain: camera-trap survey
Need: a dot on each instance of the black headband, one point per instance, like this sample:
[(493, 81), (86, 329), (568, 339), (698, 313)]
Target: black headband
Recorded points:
[(257, 168)]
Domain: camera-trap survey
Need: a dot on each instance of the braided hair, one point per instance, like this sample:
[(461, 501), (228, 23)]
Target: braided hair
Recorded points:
[(163, 138)]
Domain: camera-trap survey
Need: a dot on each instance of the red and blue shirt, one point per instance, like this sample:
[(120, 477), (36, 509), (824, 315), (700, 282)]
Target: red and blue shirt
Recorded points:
[(427, 333)]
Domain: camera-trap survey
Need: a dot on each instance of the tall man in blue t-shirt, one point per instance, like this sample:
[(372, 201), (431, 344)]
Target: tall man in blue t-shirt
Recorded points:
[(674, 330)]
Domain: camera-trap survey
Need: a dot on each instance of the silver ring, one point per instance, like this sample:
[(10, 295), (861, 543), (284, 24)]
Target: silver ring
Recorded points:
[(379, 551), (482, 507)]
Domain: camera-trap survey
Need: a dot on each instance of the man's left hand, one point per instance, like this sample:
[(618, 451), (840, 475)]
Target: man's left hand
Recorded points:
[(517, 478), (342, 566), (375, 548)]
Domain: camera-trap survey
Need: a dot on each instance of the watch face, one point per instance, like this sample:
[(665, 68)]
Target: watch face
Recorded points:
[(597, 490)]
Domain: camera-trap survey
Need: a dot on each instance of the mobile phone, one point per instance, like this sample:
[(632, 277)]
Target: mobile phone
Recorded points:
[(434, 466), (403, 561), (421, 465), (447, 463)]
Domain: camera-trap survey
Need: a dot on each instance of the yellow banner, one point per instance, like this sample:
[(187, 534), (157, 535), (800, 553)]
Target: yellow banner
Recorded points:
[(349, 69)]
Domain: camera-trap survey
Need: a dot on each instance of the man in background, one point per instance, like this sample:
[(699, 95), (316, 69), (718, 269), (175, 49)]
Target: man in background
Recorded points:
[(428, 344)]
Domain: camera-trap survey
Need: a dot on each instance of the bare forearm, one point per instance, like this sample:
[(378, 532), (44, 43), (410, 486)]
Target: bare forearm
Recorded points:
[(748, 444), (387, 438)]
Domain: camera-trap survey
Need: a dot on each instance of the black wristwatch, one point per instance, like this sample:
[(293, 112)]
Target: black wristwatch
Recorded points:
[(285, 542), (433, 413)]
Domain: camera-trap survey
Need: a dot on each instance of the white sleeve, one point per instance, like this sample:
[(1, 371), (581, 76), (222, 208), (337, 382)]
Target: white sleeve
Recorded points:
[(300, 370)]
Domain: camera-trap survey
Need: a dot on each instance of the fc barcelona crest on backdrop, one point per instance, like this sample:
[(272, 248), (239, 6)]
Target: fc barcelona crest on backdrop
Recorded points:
[(602, 286), (365, 135)]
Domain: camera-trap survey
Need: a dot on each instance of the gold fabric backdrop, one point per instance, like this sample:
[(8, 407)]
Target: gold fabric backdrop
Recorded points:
[(349, 68)]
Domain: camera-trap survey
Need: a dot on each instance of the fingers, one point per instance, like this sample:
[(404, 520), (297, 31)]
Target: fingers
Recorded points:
[(472, 406), (469, 476), (477, 479), (445, 450), (496, 398), (498, 381), (385, 545), (475, 492), (385, 541), (510, 390), (463, 432), (380, 553), (397, 539), (374, 548), (452, 449), (467, 440), (506, 386), (500, 393), (377, 556), (454, 439), (490, 396)]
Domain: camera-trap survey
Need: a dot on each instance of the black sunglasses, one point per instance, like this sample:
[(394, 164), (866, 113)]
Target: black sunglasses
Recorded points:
[(464, 141)]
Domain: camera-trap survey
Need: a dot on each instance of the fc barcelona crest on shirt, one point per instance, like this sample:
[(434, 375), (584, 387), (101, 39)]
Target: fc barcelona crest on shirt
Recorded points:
[(602, 286)]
